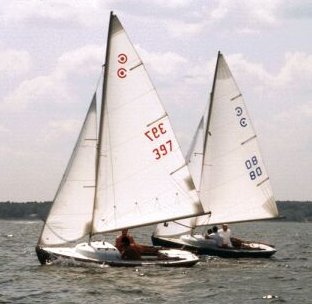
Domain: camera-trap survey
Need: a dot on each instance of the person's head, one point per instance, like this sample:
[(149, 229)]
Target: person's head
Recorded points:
[(209, 231), (124, 232), (215, 229), (225, 227), (125, 241)]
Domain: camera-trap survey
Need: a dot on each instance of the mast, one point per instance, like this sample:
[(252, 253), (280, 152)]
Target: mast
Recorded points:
[(211, 104), (206, 134), (106, 63)]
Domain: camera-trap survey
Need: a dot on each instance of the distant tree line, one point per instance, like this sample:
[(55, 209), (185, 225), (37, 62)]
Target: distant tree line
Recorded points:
[(289, 210), (295, 210), (28, 210)]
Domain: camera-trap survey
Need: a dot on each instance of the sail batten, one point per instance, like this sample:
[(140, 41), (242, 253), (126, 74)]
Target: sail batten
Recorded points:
[(136, 66), (237, 96), (258, 185), (249, 139), (158, 119)]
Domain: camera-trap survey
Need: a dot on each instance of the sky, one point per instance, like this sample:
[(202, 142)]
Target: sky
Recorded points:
[(51, 56)]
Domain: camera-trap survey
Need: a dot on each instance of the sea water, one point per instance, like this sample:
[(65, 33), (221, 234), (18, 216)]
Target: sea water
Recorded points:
[(284, 278)]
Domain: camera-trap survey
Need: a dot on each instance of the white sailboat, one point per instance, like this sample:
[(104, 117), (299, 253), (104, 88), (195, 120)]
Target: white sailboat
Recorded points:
[(228, 172), (133, 174)]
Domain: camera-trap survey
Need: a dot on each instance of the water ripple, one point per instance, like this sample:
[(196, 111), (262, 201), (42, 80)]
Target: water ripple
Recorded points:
[(285, 278)]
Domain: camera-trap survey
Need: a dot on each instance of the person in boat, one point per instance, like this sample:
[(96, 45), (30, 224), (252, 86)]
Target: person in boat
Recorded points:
[(214, 236), (129, 251), (142, 249), (209, 231), (225, 234), (118, 242)]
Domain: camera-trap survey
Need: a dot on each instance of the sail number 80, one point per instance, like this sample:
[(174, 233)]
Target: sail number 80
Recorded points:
[(253, 168)]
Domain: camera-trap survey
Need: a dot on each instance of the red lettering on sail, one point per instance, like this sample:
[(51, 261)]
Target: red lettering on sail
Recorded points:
[(163, 149), (155, 132)]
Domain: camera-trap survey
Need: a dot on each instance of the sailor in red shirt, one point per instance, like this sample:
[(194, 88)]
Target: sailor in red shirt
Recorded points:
[(142, 249), (118, 242)]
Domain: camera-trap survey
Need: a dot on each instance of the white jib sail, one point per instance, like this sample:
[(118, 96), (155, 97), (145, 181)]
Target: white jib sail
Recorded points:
[(142, 176), (234, 184), (70, 216)]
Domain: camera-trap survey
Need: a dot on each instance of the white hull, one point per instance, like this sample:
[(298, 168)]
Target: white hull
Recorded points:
[(106, 254)]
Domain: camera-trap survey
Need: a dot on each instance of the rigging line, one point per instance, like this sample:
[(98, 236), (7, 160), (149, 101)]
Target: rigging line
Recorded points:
[(100, 78), (101, 123), (210, 109), (110, 159)]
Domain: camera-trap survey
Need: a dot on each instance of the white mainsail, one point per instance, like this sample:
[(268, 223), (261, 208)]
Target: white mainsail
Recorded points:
[(142, 176), (70, 216), (134, 174), (234, 183)]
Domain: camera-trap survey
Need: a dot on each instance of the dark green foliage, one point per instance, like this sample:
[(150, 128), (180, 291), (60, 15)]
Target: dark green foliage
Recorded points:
[(29, 210), (295, 211), (289, 210)]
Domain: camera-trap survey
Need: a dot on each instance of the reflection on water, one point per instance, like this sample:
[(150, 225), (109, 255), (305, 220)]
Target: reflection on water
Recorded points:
[(284, 278)]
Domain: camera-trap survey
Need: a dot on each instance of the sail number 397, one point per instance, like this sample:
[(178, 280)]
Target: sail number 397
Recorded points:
[(154, 134)]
